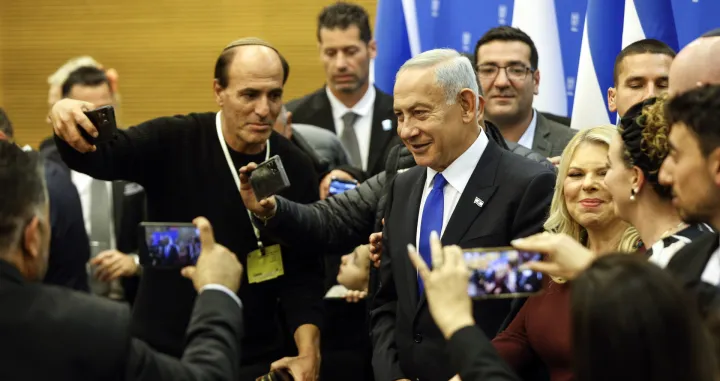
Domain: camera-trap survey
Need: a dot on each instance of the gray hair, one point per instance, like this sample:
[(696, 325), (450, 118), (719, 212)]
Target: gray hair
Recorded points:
[(453, 71)]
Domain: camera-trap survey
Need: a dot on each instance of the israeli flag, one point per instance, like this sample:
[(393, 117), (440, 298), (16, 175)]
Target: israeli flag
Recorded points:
[(601, 43)]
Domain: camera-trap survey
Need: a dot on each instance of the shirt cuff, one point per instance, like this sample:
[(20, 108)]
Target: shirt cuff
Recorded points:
[(219, 287)]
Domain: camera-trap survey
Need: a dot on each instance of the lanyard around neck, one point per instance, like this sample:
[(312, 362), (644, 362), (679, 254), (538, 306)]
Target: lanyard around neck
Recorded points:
[(234, 171)]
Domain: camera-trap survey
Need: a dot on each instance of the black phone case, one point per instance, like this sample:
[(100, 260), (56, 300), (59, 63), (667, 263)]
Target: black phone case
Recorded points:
[(103, 119), (269, 178)]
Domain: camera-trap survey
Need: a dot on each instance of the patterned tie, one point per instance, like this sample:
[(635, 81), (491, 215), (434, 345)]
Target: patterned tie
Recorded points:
[(349, 138), (432, 220)]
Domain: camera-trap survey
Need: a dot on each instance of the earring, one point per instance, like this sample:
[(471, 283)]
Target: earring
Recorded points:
[(632, 194)]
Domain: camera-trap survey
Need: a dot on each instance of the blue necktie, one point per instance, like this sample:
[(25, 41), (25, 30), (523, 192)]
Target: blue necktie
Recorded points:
[(432, 220)]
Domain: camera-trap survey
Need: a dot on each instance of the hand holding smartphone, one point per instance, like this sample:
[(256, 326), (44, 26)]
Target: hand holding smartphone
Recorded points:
[(269, 178), (103, 118)]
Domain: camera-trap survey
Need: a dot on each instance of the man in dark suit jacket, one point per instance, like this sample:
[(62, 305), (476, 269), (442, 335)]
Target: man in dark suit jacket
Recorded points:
[(507, 67), (69, 244), (129, 209), (346, 48), (46, 331), (486, 197)]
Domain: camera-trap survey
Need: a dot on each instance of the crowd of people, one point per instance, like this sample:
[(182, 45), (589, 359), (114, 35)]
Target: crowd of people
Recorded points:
[(606, 263)]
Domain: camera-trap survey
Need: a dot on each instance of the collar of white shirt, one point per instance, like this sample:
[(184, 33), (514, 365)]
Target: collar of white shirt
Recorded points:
[(528, 138), (362, 108), (458, 173)]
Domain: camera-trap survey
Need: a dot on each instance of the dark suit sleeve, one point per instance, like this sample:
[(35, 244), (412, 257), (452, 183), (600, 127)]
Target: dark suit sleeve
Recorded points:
[(474, 359), (129, 154), (212, 351), (534, 205), (385, 360), (69, 245)]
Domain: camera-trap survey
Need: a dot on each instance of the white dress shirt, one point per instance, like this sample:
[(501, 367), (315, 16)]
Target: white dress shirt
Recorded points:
[(528, 138), (457, 175), (83, 183), (711, 274), (363, 124)]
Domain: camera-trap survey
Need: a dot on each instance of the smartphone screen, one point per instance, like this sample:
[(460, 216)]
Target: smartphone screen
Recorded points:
[(169, 245), (494, 273), (338, 186)]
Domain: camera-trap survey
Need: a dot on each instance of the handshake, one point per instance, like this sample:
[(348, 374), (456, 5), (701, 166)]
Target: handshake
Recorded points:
[(216, 264)]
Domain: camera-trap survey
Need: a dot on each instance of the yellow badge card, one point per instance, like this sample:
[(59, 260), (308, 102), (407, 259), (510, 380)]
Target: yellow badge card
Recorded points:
[(263, 267)]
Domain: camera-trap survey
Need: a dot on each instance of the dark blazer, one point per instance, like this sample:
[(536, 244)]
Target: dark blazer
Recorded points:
[(129, 209), (551, 137), (516, 192), (475, 359), (315, 109), (51, 333), (69, 245), (688, 265)]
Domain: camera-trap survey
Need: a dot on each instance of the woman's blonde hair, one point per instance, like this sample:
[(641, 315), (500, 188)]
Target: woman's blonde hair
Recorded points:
[(559, 220)]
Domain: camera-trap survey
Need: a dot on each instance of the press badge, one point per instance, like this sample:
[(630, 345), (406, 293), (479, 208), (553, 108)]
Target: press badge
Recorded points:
[(263, 267)]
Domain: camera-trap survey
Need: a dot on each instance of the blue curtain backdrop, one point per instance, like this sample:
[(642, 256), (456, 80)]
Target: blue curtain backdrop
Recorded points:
[(408, 27)]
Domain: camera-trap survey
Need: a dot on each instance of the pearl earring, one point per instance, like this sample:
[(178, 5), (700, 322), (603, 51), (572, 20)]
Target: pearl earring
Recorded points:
[(632, 194)]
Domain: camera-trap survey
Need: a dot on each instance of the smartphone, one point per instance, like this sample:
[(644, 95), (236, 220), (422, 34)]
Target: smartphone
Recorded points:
[(103, 119), (276, 375), (168, 244), (495, 273), (269, 178), (338, 186)]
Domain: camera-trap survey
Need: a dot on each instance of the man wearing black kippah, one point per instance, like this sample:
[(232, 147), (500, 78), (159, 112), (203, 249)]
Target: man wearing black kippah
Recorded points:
[(188, 166)]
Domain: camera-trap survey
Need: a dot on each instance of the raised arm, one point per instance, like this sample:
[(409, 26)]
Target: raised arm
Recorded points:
[(130, 155)]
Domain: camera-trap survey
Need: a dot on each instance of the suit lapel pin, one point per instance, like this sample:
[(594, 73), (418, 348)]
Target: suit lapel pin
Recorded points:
[(479, 202), (387, 125)]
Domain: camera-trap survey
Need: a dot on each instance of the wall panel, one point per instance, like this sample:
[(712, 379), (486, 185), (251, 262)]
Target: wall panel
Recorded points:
[(163, 50)]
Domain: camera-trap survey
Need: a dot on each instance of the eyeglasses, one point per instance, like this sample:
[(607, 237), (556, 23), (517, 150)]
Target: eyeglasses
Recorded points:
[(514, 72)]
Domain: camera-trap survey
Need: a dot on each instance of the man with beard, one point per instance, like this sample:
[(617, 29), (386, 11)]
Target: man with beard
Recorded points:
[(360, 114)]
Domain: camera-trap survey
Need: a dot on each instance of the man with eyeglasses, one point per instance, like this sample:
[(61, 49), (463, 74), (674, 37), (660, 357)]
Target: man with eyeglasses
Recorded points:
[(507, 67)]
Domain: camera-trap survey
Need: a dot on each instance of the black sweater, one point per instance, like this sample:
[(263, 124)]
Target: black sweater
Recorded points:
[(180, 163)]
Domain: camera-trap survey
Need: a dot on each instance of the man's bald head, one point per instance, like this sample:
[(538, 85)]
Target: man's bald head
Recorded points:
[(252, 49), (697, 64)]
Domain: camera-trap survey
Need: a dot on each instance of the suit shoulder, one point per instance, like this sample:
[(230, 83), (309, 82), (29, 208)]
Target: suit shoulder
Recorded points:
[(407, 178), (559, 129), (522, 169), (295, 104)]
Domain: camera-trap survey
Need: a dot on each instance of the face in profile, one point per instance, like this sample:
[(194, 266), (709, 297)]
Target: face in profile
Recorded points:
[(509, 93), (346, 58), (588, 201), (619, 178), (252, 100), (432, 130), (692, 176), (354, 270), (641, 76)]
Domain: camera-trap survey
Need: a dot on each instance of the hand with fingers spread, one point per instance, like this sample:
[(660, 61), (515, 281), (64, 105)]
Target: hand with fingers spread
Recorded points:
[(112, 264), (66, 115), (265, 208), (565, 257), (216, 264), (446, 286)]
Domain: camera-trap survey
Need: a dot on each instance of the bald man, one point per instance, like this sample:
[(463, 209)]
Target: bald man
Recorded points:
[(697, 64), (188, 166)]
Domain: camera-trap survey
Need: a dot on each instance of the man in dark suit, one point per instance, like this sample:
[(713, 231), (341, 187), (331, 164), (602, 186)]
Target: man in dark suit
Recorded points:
[(69, 246), (360, 114), (465, 188), (507, 66), (115, 264), (51, 333)]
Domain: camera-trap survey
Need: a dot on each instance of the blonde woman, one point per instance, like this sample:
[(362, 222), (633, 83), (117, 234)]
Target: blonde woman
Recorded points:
[(582, 208)]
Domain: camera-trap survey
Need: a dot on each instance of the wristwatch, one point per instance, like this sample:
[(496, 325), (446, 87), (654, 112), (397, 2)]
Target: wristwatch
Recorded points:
[(138, 267)]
